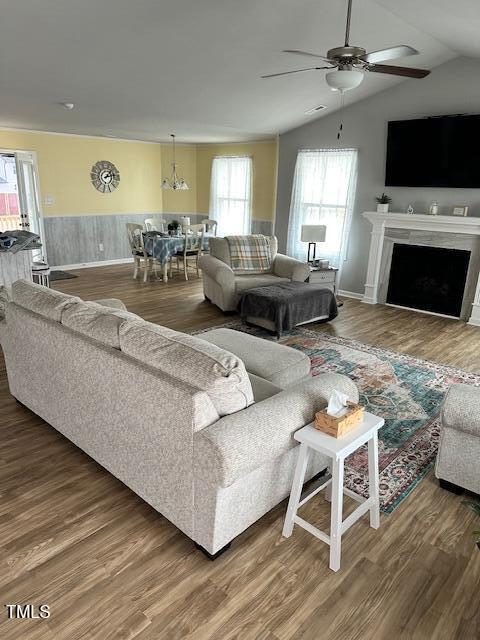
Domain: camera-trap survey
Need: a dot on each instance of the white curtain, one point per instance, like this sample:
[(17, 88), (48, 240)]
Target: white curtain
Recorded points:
[(231, 194), (323, 193)]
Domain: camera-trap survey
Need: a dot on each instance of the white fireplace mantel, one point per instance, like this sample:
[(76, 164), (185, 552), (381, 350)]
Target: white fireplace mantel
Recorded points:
[(419, 222)]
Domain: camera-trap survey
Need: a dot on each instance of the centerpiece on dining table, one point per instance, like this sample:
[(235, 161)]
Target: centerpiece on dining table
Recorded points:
[(173, 228)]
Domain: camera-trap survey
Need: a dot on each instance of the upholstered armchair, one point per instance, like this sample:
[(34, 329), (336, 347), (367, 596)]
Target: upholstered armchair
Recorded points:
[(223, 286), (458, 457)]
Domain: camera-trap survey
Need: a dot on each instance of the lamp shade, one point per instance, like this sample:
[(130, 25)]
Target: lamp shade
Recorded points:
[(344, 79), (313, 233)]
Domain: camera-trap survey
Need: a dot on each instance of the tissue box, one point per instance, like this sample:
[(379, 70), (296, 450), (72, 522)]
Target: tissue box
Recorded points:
[(339, 426)]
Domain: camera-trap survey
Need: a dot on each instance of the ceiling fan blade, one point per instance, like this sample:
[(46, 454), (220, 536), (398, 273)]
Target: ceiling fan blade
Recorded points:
[(408, 72), (284, 73), (307, 53), (400, 51)]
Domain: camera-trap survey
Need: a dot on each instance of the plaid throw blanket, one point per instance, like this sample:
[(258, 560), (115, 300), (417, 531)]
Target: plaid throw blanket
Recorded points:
[(250, 253)]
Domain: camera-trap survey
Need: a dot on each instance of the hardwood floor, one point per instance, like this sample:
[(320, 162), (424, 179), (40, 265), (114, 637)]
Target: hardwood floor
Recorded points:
[(110, 567)]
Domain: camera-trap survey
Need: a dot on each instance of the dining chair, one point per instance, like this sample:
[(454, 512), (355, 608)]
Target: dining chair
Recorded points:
[(155, 225), (210, 225), (192, 247), (135, 238)]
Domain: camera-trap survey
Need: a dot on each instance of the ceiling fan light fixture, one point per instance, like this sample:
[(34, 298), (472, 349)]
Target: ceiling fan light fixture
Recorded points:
[(344, 79)]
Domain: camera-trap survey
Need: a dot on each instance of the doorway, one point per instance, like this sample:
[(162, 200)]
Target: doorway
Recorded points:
[(20, 196)]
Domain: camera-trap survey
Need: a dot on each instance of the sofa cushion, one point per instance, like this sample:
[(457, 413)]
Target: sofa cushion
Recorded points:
[(96, 321), (262, 389), (219, 249), (244, 282), (188, 358), (111, 303), (42, 300), (275, 362)]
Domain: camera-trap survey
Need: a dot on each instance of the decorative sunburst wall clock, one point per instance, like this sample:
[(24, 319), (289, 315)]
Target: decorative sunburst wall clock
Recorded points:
[(105, 176)]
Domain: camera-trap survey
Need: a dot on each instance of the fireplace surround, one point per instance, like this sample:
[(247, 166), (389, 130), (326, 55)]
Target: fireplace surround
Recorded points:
[(423, 231)]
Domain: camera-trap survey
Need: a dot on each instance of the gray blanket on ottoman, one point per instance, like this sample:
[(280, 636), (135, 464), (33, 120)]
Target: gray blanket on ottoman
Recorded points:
[(287, 304)]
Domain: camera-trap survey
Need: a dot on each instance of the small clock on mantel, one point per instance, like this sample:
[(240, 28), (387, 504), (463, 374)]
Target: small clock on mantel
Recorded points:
[(105, 176)]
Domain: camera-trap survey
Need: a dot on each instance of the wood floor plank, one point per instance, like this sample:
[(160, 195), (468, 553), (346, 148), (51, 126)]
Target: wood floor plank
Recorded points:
[(112, 568)]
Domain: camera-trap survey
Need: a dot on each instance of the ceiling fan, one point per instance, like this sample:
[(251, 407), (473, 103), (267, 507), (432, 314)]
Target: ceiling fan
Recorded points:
[(350, 62)]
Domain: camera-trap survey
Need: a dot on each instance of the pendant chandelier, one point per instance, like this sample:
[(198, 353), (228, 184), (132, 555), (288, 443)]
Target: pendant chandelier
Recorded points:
[(174, 182)]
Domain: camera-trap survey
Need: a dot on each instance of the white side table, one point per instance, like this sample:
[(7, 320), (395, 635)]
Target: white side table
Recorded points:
[(327, 277), (337, 449)]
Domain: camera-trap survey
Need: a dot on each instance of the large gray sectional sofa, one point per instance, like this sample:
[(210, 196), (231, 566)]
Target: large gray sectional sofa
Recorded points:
[(199, 426)]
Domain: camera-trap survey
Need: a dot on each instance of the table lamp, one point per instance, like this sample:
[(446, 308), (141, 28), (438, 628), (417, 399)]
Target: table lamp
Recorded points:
[(313, 233)]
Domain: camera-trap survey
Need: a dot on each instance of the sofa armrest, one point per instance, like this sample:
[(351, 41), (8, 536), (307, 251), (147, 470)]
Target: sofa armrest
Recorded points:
[(461, 409), (286, 267), (113, 303), (218, 271), (239, 443)]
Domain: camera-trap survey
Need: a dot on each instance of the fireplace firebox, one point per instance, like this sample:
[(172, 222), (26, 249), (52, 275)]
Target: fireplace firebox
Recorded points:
[(428, 278)]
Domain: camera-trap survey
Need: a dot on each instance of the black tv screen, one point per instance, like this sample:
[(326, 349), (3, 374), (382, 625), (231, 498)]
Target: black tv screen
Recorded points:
[(434, 152)]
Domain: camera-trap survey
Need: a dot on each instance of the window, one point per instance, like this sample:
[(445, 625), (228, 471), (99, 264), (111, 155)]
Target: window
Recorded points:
[(323, 193), (230, 194)]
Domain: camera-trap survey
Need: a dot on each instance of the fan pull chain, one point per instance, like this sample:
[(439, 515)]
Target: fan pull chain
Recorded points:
[(342, 105)]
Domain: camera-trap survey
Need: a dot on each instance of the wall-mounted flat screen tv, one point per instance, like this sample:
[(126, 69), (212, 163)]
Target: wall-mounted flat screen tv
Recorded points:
[(434, 152)]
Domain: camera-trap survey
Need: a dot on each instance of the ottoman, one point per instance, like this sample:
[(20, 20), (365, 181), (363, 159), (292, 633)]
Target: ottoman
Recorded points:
[(283, 306)]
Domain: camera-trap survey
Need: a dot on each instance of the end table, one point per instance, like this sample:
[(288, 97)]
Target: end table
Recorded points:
[(337, 449), (327, 277)]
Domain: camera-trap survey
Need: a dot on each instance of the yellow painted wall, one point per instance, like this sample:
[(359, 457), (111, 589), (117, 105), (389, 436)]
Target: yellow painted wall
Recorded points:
[(64, 164), (264, 159), (181, 201)]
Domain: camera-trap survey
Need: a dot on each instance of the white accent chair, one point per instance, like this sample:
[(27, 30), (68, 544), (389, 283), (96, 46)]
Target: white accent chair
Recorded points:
[(223, 286)]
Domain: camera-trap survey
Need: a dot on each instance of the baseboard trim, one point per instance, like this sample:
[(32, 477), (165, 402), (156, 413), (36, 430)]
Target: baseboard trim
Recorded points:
[(350, 294), (429, 313), (474, 319), (87, 265)]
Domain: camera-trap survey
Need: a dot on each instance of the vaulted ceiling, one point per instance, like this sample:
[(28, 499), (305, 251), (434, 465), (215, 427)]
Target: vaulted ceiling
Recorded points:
[(145, 68)]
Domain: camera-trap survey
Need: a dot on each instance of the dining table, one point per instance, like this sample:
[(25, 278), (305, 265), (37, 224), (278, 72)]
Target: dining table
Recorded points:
[(162, 247)]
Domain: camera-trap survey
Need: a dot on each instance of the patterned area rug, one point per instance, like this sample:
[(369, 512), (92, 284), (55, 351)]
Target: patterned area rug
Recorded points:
[(405, 391)]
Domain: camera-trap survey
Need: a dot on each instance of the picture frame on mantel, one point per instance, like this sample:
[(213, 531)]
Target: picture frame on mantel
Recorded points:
[(460, 211)]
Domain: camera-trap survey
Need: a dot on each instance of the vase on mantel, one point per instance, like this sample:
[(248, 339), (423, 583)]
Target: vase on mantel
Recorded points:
[(382, 208)]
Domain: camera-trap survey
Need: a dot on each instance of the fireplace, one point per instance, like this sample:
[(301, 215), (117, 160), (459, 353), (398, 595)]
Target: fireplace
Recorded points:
[(426, 232), (428, 278)]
